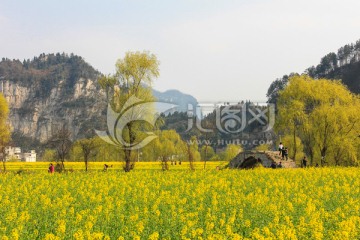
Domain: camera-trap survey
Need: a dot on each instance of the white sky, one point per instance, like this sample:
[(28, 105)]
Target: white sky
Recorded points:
[(214, 50)]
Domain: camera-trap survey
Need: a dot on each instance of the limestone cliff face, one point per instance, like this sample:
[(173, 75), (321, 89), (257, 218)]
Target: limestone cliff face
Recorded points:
[(43, 99), (53, 90)]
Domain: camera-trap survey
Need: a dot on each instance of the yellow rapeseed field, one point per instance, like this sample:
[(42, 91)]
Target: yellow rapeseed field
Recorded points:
[(27, 166), (318, 203)]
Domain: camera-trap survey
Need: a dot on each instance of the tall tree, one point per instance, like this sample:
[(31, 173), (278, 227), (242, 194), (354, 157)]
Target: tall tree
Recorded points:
[(276, 86), (190, 151), (62, 143), (131, 100), (208, 135), (88, 147), (167, 145), (4, 128), (323, 114), (207, 152)]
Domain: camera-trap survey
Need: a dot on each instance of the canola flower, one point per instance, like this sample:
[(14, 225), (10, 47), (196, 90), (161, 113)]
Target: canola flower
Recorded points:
[(95, 166), (322, 203)]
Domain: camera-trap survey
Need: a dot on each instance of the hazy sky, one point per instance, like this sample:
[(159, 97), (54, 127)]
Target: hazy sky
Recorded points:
[(215, 50)]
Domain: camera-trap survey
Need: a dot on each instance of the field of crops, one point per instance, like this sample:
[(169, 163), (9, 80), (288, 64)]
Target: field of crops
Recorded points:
[(116, 166), (151, 204)]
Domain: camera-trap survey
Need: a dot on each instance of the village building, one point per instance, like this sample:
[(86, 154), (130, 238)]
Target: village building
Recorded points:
[(15, 154)]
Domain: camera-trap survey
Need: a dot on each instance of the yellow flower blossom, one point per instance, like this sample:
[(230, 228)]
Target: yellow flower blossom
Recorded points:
[(321, 203)]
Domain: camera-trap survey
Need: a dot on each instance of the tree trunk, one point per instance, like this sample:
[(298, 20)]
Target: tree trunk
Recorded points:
[(191, 158), (165, 165), (128, 151), (307, 140), (206, 147), (323, 154), (127, 160), (311, 153), (86, 162), (62, 164)]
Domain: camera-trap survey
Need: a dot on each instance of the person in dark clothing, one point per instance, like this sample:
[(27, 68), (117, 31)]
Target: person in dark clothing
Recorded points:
[(304, 162), (273, 165), (286, 154), (279, 165), (282, 153)]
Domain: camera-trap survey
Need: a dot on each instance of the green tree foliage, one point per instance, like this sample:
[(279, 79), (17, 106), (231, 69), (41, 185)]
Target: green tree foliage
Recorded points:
[(134, 75), (230, 152), (288, 142), (106, 152), (207, 152), (49, 155), (179, 121), (276, 86), (149, 153), (5, 133), (190, 151), (167, 146), (324, 115), (263, 147)]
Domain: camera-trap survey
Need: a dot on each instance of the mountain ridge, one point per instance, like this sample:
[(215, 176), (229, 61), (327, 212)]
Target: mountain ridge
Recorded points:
[(343, 65), (55, 89)]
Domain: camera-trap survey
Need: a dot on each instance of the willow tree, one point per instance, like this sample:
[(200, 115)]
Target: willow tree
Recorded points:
[(166, 146), (323, 114), (130, 99), (292, 114), (4, 128), (231, 151), (189, 151)]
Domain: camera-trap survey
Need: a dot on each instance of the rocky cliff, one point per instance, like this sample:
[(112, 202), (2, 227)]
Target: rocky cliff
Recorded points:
[(53, 90), (50, 91)]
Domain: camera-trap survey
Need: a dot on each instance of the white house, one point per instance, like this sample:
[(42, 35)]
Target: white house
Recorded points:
[(13, 152), (16, 154), (29, 157)]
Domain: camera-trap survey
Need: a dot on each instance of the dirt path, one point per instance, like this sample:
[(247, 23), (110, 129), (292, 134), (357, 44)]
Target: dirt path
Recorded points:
[(274, 156)]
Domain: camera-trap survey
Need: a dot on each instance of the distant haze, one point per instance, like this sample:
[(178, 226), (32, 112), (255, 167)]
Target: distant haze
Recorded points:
[(214, 50)]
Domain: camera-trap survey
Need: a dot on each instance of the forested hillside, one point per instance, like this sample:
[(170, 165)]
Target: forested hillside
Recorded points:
[(343, 65)]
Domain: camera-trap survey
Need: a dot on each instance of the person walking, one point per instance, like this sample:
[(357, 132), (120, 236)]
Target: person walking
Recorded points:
[(286, 153), (51, 168), (281, 146)]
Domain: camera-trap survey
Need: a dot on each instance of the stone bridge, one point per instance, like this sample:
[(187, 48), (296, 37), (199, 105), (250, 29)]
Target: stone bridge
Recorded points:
[(267, 157)]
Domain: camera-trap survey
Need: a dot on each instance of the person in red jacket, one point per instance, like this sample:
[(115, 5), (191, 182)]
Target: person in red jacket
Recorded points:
[(51, 168)]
